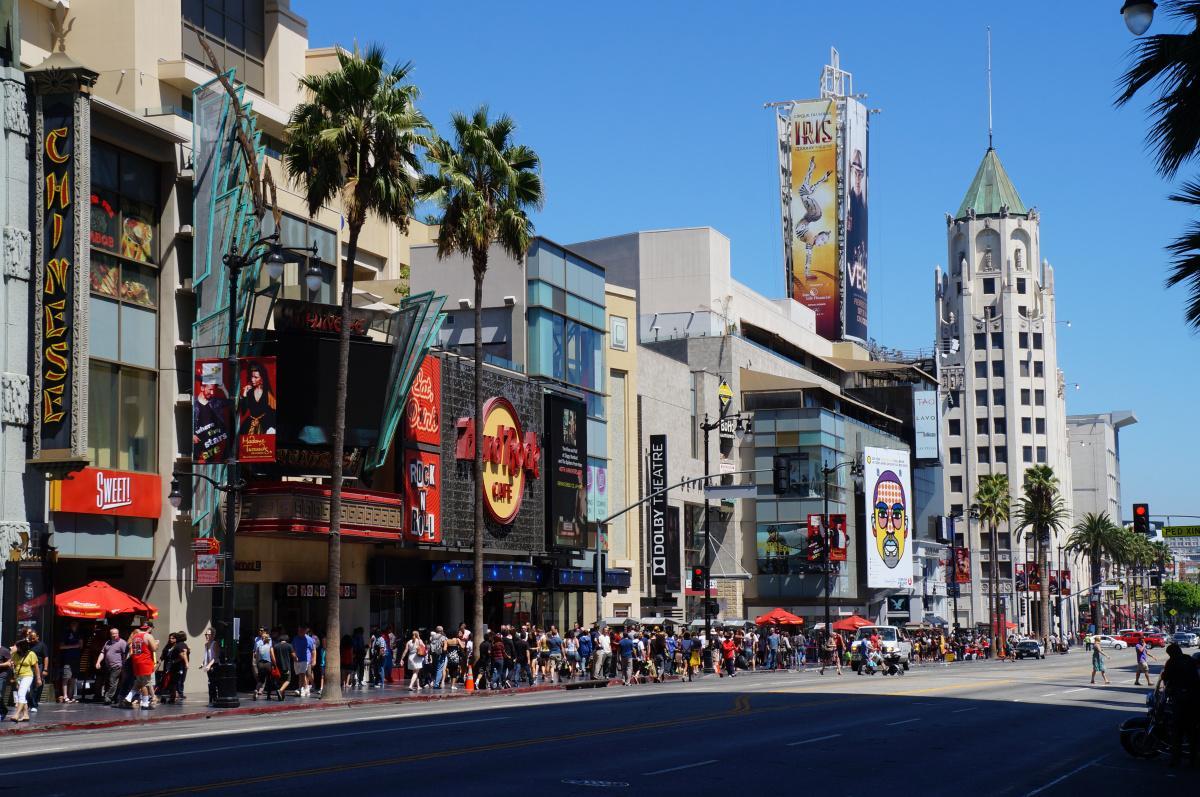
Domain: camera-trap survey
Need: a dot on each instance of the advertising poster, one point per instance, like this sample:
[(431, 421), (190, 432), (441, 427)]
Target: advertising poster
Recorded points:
[(212, 412), (816, 540), (422, 413), (854, 203), (1054, 585), (1064, 580), (597, 489), (839, 538), (422, 496), (925, 424), (783, 141), (659, 573), (257, 418), (783, 549), (673, 572), (813, 274), (1019, 582), (566, 492), (962, 566), (1033, 577), (889, 541)]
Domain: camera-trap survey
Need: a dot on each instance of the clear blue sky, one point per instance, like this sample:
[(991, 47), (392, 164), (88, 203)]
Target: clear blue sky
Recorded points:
[(649, 115)]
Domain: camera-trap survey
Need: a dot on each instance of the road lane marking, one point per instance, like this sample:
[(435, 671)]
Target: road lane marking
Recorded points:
[(904, 722), (192, 752), (961, 710), (1080, 689), (1049, 694), (815, 739), (1061, 778), (684, 766)]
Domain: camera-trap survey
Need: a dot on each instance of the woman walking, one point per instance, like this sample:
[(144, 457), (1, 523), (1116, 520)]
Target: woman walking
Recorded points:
[(27, 674), (414, 659), (1098, 657)]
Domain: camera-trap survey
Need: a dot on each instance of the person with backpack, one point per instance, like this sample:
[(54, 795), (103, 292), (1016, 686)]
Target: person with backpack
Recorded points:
[(437, 656), (456, 654), (378, 647), (414, 659)]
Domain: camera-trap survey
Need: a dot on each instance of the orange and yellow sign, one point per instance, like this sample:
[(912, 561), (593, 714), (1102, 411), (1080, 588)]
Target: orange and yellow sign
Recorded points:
[(510, 456), (815, 268)]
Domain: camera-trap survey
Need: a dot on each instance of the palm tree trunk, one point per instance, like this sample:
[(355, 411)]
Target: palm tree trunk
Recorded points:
[(993, 591), (1044, 587), (332, 687), (479, 262)]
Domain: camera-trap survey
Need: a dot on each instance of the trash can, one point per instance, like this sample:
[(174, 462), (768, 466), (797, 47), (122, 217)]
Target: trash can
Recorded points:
[(949, 656)]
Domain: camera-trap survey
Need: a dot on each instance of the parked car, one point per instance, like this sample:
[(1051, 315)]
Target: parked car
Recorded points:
[(1152, 639), (1109, 642), (1030, 648), (1185, 639)]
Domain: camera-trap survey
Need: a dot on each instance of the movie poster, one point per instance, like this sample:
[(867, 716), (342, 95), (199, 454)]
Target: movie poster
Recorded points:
[(1064, 580), (256, 409), (889, 544), (1019, 582), (962, 565), (839, 538), (212, 412), (814, 273), (784, 549), (854, 204), (566, 492), (1033, 577)]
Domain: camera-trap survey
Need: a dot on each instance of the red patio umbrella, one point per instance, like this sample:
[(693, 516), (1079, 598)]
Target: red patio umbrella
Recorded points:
[(98, 600), (851, 623), (778, 617)]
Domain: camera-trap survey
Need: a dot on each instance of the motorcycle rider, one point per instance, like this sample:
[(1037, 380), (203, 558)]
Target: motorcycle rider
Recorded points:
[(1181, 679)]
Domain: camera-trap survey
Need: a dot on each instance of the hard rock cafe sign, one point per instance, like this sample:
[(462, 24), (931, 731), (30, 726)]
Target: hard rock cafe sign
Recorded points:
[(510, 456)]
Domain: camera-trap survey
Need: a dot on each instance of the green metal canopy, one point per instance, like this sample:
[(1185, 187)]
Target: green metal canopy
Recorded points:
[(990, 190)]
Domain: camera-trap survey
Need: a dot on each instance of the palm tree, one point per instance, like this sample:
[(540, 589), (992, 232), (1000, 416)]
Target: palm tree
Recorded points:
[(485, 186), (991, 502), (1171, 62), (1041, 509), (1098, 538), (355, 138)]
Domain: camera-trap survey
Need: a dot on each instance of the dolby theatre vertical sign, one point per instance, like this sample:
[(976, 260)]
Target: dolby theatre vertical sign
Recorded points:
[(60, 105)]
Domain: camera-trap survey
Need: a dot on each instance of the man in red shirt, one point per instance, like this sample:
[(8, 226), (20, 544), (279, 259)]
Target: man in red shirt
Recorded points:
[(729, 650), (142, 646)]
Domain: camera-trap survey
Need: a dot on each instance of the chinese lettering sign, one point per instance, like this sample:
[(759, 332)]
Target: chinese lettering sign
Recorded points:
[(58, 274)]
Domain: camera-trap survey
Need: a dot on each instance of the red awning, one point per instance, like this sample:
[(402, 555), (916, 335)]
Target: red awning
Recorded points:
[(778, 617), (98, 600), (851, 623)]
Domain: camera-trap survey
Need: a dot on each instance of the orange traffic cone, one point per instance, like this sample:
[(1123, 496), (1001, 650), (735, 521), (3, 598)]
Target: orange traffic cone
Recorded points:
[(470, 680)]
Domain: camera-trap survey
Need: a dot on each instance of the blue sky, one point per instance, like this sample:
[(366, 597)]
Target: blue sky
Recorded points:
[(649, 115)]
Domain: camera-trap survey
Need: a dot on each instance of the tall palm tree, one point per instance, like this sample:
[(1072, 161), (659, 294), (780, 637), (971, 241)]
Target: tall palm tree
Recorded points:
[(1171, 63), (992, 502), (354, 138), (1098, 538), (485, 186), (1042, 510)]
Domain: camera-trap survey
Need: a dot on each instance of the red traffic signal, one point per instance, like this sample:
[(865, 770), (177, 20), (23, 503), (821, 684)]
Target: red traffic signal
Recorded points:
[(699, 579), (1141, 518)]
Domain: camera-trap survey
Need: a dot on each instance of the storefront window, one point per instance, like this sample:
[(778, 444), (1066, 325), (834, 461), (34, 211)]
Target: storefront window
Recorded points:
[(102, 536), (124, 203)]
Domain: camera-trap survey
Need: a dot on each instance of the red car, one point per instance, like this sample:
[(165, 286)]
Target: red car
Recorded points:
[(1153, 639)]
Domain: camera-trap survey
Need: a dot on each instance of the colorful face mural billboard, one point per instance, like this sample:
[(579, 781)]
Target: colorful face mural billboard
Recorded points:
[(889, 549)]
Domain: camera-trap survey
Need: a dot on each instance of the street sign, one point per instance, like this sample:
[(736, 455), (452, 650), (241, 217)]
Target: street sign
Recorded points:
[(725, 394), (1107, 588), (1180, 531), (1172, 612)]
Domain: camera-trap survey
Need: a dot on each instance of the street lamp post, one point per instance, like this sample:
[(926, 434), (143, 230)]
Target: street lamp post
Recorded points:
[(826, 472), (740, 422), (235, 262)]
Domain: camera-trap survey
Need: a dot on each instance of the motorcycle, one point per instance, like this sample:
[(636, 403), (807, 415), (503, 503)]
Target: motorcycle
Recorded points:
[(1150, 736)]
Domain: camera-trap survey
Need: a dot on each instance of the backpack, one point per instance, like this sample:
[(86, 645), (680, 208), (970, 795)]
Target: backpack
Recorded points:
[(436, 644)]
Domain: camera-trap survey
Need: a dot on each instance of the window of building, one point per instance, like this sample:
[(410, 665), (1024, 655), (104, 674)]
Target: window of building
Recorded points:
[(956, 484), (1037, 340), (1041, 425), (80, 535), (1039, 398), (1024, 397), (1041, 454), (1003, 540), (1024, 367), (989, 285), (981, 398), (1038, 368), (997, 340), (1027, 453), (998, 397), (984, 454), (1025, 427), (999, 426), (1021, 285), (235, 30), (980, 340), (122, 417), (957, 510), (998, 368), (955, 456), (980, 369), (1001, 453), (955, 427), (125, 202), (981, 426), (1023, 340), (618, 332)]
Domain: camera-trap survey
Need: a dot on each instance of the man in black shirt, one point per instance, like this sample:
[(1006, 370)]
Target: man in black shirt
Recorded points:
[(520, 657), (1182, 682)]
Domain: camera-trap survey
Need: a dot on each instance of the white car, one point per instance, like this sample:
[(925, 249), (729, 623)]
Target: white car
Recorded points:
[(1105, 641)]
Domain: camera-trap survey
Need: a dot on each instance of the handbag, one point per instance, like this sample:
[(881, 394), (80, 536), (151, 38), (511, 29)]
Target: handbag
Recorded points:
[(275, 673)]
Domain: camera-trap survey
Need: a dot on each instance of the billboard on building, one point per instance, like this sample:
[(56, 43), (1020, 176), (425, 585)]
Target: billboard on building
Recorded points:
[(257, 409), (814, 273), (659, 553), (854, 204), (925, 424), (423, 412), (889, 543), (786, 549), (566, 492), (212, 412), (422, 496)]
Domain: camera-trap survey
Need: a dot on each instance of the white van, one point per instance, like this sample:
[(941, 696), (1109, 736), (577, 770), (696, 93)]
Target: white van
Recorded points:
[(891, 639)]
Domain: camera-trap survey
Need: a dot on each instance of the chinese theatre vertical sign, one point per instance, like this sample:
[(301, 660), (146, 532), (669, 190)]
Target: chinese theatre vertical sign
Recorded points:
[(423, 456), (61, 110)]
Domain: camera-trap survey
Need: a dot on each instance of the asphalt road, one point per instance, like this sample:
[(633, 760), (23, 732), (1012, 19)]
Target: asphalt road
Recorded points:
[(978, 728)]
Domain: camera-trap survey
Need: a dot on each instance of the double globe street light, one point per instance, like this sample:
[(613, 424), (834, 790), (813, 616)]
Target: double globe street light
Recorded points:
[(1138, 14)]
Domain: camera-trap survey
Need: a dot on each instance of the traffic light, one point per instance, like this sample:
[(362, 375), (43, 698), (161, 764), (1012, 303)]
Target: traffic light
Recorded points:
[(1141, 518), (699, 579), (1156, 578)]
